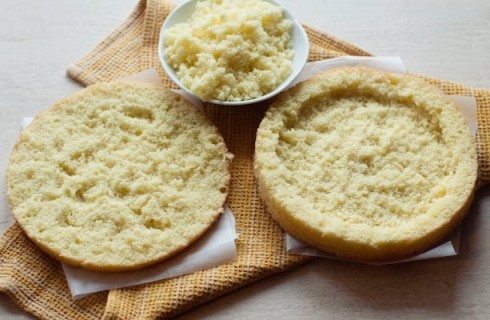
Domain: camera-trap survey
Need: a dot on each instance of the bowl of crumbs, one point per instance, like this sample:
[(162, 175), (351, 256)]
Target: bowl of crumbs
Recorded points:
[(231, 52)]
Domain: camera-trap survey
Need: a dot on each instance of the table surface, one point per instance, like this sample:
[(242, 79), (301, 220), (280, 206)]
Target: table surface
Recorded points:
[(446, 39)]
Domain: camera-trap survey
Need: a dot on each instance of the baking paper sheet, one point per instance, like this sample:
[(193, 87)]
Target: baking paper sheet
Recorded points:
[(467, 105), (389, 64), (216, 247)]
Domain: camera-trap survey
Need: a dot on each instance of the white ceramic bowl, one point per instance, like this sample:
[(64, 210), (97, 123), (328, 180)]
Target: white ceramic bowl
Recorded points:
[(299, 41)]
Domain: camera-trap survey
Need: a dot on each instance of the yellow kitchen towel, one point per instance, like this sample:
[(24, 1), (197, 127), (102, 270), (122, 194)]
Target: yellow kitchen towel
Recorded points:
[(36, 282)]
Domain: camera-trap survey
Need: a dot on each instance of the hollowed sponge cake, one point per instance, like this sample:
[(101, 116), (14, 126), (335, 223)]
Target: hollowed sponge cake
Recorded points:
[(118, 176), (366, 165)]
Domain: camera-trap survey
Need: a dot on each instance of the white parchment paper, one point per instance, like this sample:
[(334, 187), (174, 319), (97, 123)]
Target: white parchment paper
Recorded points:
[(216, 247), (467, 105), (389, 64)]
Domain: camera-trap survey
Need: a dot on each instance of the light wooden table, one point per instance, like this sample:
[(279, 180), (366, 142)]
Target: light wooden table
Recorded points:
[(446, 39)]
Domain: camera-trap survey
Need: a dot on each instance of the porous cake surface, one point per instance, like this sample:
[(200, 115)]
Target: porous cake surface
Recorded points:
[(118, 176), (366, 165)]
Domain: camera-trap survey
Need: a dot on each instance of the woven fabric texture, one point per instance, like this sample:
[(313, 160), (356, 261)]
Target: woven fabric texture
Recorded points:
[(36, 282)]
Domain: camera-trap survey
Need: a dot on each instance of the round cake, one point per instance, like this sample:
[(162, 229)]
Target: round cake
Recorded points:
[(366, 165), (118, 176)]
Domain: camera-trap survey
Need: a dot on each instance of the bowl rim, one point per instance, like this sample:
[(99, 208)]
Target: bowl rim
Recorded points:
[(281, 87)]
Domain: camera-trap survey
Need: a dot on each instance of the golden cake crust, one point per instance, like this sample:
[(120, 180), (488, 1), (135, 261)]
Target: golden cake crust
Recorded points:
[(118, 176), (366, 165)]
